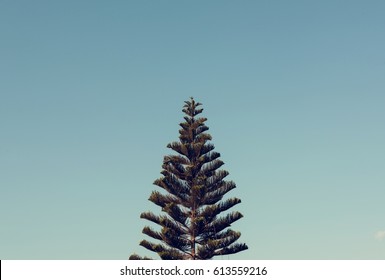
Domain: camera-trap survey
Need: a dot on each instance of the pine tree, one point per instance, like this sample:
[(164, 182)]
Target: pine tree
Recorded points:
[(193, 225)]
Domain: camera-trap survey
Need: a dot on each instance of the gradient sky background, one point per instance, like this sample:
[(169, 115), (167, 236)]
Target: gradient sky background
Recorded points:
[(91, 93)]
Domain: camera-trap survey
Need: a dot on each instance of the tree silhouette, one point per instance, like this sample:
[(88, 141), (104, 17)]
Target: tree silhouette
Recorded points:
[(193, 225)]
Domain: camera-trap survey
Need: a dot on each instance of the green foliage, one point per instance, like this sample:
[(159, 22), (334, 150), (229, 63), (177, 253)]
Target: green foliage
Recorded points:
[(194, 225)]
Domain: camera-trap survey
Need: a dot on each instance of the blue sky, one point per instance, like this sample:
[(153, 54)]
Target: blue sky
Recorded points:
[(91, 93)]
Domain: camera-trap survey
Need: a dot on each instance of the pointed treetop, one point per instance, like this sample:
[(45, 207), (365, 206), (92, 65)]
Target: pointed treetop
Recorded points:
[(190, 108)]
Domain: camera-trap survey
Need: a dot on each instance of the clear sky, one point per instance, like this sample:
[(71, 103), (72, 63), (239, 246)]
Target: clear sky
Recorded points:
[(91, 93)]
